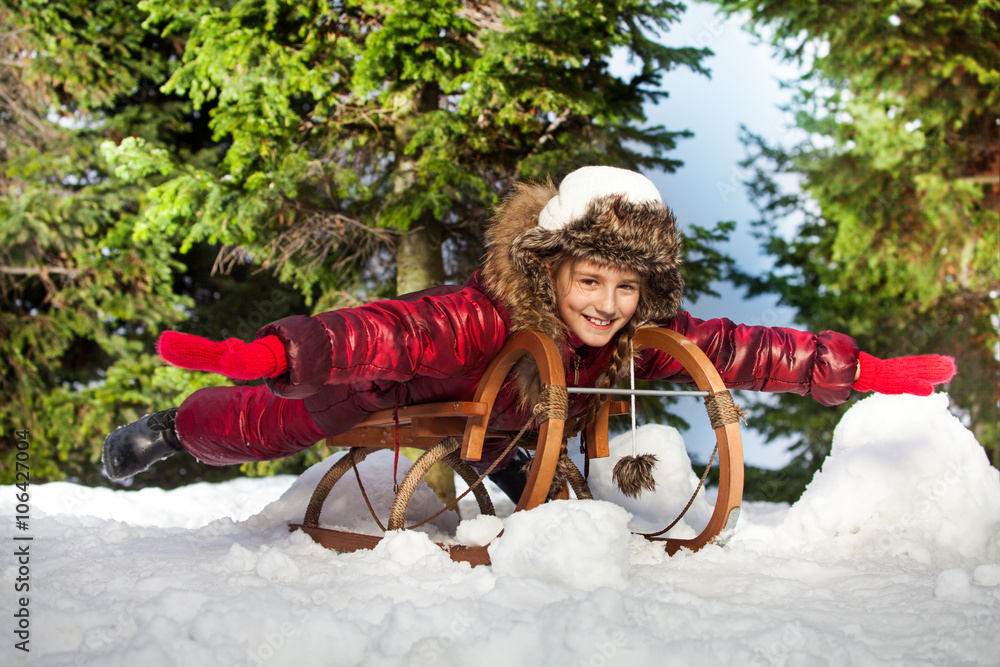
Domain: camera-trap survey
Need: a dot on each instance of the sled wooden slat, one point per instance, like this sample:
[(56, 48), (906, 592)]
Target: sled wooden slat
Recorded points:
[(429, 420), (595, 436), (348, 542)]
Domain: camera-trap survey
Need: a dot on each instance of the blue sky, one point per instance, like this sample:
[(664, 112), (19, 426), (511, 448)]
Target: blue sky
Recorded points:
[(743, 90)]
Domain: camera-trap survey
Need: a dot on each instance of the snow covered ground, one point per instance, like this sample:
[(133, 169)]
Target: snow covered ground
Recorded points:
[(891, 557)]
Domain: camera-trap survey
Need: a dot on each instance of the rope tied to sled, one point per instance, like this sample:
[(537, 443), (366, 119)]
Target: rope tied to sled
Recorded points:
[(722, 410), (553, 403)]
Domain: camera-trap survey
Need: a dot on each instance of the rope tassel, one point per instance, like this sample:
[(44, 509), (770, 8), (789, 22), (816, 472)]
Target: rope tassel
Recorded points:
[(634, 474)]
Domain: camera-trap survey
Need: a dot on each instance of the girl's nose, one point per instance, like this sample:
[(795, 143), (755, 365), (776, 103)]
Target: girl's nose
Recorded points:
[(606, 303)]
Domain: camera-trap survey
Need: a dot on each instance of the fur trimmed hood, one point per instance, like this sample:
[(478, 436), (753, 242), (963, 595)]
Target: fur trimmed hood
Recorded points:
[(599, 224)]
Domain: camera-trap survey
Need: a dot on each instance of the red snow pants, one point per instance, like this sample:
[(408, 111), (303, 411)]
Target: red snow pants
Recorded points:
[(227, 425)]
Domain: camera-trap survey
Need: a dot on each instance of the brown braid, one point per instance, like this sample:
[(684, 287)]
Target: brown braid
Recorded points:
[(619, 362)]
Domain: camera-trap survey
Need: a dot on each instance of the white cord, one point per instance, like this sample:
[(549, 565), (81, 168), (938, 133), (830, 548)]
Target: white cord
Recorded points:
[(631, 375)]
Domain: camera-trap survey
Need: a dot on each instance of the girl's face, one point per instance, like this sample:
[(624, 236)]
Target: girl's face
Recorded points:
[(595, 301)]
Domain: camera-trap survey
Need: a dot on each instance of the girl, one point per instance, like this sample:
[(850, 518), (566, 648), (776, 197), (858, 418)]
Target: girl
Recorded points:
[(587, 265)]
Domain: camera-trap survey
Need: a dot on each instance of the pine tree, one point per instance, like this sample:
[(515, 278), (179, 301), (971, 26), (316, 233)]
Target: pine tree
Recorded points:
[(898, 227), (81, 299)]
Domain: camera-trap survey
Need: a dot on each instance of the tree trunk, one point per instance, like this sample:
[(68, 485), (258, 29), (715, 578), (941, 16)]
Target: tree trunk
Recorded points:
[(419, 263), (418, 257)]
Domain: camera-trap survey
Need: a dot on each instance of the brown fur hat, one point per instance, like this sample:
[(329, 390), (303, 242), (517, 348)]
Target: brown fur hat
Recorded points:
[(606, 215)]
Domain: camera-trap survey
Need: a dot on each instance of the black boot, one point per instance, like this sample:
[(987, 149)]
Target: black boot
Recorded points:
[(514, 477), (133, 448)]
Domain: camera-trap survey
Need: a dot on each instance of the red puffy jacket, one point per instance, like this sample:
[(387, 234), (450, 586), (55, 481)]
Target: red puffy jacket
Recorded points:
[(435, 345)]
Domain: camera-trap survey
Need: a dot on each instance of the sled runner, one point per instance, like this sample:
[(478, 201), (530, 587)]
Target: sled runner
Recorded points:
[(454, 432)]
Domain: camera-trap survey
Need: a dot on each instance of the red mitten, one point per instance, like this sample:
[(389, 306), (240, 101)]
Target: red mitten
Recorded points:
[(263, 358), (232, 357), (904, 375), (194, 352)]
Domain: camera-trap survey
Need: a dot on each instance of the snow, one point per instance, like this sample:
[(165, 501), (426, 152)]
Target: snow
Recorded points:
[(891, 556), (578, 545)]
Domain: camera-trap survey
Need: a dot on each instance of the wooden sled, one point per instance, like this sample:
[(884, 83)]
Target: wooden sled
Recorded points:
[(454, 432)]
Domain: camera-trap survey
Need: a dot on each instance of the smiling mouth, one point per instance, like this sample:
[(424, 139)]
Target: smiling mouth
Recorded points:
[(597, 322)]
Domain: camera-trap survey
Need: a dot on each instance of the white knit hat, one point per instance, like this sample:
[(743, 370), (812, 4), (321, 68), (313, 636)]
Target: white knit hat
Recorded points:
[(586, 184)]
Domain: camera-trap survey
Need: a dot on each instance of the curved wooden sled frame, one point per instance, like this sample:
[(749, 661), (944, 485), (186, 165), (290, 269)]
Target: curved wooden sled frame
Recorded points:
[(424, 426), (727, 504)]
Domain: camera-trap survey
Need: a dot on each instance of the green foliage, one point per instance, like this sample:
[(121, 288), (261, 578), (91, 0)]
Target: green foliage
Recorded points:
[(76, 294), (210, 166), (897, 223), (84, 288), (703, 263)]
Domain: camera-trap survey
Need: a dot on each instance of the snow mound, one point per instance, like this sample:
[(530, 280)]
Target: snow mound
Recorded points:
[(582, 544), (345, 507), (408, 547), (675, 483), (904, 478), (478, 531)]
